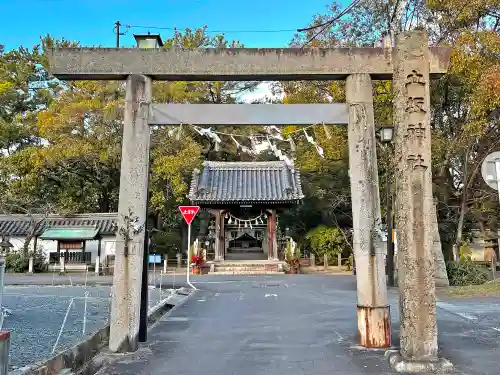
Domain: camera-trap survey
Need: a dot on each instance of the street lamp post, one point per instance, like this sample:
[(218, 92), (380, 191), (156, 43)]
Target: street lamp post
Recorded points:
[(490, 170), (385, 137)]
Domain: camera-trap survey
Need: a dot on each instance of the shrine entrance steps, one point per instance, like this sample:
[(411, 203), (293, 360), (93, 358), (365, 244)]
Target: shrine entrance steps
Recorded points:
[(239, 255), (247, 267)]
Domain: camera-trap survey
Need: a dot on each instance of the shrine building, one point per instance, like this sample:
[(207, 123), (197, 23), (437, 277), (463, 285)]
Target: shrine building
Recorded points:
[(244, 200)]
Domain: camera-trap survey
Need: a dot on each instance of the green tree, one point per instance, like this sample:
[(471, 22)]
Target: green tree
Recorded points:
[(327, 241)]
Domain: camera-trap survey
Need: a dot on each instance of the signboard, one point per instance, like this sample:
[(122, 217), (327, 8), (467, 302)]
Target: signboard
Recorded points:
[(189, 213), (154, 259), (490, 169)]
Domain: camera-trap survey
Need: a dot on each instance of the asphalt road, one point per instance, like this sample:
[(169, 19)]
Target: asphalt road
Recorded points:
[(294, 324), (300, 324)]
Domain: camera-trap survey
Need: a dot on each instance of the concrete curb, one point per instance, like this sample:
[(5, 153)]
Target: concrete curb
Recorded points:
[(79, 358), (98, 364)]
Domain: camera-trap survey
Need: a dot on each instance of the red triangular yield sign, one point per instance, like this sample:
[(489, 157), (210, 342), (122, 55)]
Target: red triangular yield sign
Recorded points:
[(189, 213)]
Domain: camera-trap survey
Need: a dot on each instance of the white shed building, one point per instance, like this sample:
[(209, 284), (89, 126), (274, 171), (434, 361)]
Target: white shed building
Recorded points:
[(80, 239)]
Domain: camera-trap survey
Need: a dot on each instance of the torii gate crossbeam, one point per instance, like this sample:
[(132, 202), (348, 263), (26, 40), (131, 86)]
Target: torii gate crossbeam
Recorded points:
[(231, 64), (249, 114)]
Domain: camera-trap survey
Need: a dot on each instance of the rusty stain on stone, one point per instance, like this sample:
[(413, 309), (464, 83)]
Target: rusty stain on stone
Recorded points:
[(374, 327)]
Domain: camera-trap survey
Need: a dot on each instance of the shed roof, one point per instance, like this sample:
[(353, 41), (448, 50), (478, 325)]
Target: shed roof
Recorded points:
[(270, 182), (70, 233), (19, 225)]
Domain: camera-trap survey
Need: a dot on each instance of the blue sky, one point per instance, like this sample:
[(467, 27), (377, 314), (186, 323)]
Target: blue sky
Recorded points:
[(91, 21)]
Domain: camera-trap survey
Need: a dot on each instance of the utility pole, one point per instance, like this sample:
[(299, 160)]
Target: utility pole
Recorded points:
[(117, 27)]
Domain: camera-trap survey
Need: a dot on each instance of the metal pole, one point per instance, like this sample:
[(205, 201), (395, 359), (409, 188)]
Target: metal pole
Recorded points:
[(390, 249), (143, 312), (493, 266), (2, 273), (188, 261), (143, 323), (4, 352), (497, 168)]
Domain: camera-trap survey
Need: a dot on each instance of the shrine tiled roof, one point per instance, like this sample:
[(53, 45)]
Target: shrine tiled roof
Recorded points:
[(245, 182), (19, 225)]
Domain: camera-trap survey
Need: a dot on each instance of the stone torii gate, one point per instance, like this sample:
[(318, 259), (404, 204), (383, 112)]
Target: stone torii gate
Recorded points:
[(411, 64)]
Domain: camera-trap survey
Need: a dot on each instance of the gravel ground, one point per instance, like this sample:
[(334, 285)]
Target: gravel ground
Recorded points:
[(38, 313)]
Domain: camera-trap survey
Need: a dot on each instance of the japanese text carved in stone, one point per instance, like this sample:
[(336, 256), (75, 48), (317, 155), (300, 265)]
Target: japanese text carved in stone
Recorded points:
[(416, 131), (415, 77), (416, 161), (415, 90), (416, 115), (415, 104)]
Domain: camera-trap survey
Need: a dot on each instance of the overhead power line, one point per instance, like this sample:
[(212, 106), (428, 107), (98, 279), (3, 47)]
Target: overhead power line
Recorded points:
[(212, 31), (327, 24), (323, 25)]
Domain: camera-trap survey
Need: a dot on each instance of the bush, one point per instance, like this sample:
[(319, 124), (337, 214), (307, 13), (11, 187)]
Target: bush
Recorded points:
[(465, 272), (326, 240), (17, 262)]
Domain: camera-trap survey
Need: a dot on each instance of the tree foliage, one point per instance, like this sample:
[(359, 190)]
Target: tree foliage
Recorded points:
[(61, 141), (325, 240)]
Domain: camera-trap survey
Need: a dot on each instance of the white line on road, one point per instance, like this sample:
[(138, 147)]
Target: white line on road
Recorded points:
[(467, 316), (456, 310), (221, 282), (53, 296)]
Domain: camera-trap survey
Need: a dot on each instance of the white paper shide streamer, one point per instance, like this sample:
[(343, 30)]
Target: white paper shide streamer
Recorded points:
[(279, 154), (313, 142), (259, 146), (258, 142), (209, 133), (274, 132)]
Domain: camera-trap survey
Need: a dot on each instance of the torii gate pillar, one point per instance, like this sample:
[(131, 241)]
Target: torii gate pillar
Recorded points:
[(127, 277), (374, 320)]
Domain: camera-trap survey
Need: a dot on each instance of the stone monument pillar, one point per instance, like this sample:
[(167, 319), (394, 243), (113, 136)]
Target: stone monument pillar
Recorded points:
[(416, 258)]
